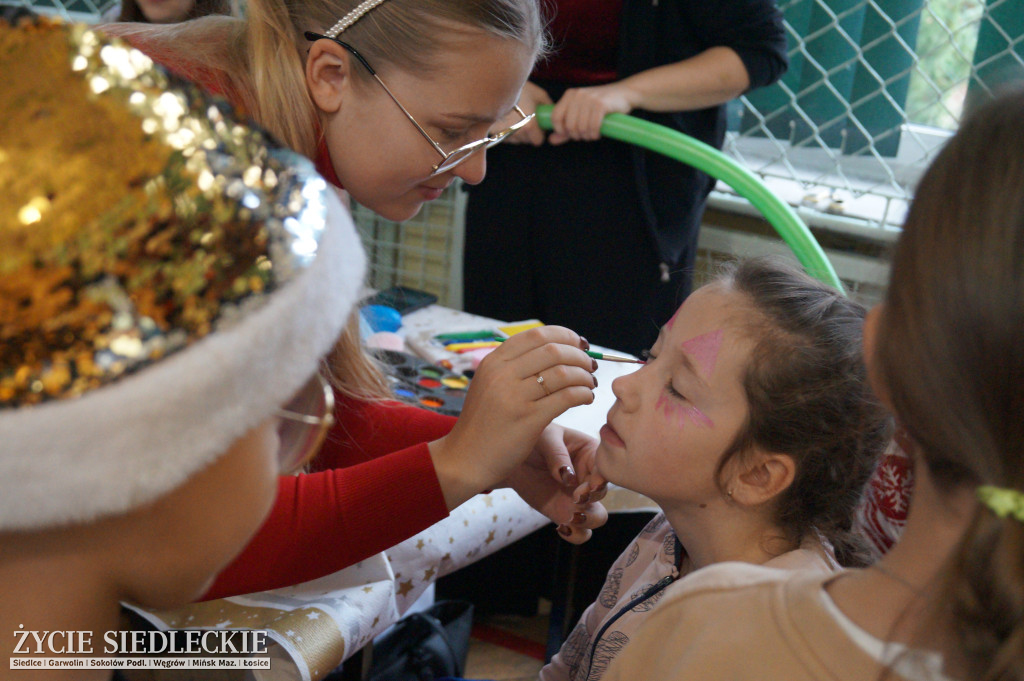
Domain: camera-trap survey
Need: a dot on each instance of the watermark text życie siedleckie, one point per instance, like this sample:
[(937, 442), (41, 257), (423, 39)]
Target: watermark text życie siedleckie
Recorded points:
[(212, 648)]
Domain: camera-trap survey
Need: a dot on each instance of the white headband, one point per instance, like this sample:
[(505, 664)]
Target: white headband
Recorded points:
[(352, 17)]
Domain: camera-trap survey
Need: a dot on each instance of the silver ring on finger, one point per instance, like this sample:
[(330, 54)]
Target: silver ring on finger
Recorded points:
[(540, 381)]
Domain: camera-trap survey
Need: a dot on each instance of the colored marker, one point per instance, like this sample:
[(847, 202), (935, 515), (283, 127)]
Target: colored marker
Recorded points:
[(601, 355), (466, 335), (466, 346)]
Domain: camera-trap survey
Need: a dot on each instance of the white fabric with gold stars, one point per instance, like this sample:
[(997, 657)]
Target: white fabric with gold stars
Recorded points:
[(318, 624)]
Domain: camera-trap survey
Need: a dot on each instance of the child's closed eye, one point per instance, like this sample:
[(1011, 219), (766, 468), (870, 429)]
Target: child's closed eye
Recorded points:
[(673, 392), (450, 135)]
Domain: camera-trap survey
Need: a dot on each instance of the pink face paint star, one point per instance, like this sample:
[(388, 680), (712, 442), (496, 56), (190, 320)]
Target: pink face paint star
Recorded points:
[(703, 350)]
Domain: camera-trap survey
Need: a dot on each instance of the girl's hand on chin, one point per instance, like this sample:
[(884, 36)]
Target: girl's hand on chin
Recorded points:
[(516, 392), (548, 481)]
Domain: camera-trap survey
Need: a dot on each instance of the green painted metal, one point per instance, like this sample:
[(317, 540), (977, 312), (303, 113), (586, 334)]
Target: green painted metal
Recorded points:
[(706, 158)]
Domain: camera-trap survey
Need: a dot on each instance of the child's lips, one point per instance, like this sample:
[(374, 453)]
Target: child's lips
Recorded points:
[(610, 437)]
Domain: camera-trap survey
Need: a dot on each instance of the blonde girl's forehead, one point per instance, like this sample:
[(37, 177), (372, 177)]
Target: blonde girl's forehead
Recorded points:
[(475, 82)]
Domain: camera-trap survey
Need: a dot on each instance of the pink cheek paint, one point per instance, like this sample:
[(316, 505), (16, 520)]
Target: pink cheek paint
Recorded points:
[(704, 351), (679, 414)]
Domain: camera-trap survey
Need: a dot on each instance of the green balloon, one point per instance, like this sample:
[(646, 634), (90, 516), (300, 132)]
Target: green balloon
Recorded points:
[(701, 156)]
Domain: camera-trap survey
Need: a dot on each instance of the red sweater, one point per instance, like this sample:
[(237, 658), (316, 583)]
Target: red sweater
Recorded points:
[(375, 487), (585, 37), (372, 485)]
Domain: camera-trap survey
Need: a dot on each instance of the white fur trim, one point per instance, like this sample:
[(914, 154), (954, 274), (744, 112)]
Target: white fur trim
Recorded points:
[(133, 441)]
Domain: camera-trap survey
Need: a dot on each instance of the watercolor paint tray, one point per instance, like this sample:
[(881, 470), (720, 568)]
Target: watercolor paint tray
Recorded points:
[(416, 381)]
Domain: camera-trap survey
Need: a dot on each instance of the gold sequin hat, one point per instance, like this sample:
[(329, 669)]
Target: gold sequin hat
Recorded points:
[(168, 276)]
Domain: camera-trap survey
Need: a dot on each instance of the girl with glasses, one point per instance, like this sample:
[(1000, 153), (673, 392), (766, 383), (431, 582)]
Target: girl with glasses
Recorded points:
[(943, 351), (395, 99)]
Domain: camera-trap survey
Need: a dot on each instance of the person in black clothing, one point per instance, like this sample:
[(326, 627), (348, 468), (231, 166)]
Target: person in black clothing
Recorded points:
[(12, 14), (598, 235)]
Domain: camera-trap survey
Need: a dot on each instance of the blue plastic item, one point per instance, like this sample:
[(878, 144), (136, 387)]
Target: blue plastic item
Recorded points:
[(382, 318)]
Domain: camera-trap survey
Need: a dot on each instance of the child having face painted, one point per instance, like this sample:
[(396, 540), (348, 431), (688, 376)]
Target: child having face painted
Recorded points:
[(753, 428)]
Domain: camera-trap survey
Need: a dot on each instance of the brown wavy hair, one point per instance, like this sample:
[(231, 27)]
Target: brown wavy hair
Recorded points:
[(809, 397), (951, 354)]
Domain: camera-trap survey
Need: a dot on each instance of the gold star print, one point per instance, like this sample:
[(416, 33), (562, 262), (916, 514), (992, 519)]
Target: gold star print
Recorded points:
[(420, 544), (367, 589), (375, 621), (488, 502), (404, 588), (451, 540), (428, 575), (490, 537), (466, 523), (494, 518), (446, 556)]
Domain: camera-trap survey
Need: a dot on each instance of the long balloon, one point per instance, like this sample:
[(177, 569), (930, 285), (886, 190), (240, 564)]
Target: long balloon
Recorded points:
[(686, 149)]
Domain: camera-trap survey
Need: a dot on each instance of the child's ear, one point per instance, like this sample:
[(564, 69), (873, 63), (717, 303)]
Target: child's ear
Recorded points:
[(766, 476), (328, 74)]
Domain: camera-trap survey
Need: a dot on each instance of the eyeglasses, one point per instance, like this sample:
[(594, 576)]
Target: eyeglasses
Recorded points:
[(449, 159), (304, 423)]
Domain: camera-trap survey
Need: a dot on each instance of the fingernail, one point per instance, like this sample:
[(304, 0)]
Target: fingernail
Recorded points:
[(579, 518), (582, 499), (568, 475), (594, 363), (585, 344), (595, 380), (564, 530)]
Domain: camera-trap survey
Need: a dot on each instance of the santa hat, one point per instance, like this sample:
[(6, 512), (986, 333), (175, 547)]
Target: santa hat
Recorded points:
[(141, 336)]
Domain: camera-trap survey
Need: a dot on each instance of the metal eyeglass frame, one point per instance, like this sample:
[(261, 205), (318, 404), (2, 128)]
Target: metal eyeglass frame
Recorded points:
[(291, 461), (449, 159)]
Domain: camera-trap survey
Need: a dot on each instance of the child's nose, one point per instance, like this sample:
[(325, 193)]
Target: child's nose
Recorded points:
[(473, 169), (625, 390)]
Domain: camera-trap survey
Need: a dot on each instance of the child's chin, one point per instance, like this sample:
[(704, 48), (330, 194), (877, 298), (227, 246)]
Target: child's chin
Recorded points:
[(604, 464)]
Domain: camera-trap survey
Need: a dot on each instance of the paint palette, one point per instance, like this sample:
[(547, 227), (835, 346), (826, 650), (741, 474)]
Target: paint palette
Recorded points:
[(417, 381)]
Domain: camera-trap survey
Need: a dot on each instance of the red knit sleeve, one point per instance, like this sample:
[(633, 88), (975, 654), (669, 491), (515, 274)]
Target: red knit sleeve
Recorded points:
[(369, 498), (367, 430)]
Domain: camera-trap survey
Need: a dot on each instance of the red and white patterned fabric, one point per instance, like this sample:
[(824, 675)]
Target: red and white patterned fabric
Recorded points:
[(883, 512)]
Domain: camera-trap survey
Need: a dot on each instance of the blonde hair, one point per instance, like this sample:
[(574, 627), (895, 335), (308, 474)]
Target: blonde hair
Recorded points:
[(258, 62)]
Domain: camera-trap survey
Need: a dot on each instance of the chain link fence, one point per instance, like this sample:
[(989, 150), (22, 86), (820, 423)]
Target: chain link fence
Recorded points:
[(873, 89)]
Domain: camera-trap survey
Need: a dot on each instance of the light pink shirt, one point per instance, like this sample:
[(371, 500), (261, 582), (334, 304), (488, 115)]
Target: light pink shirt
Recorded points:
[(636, 582)]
